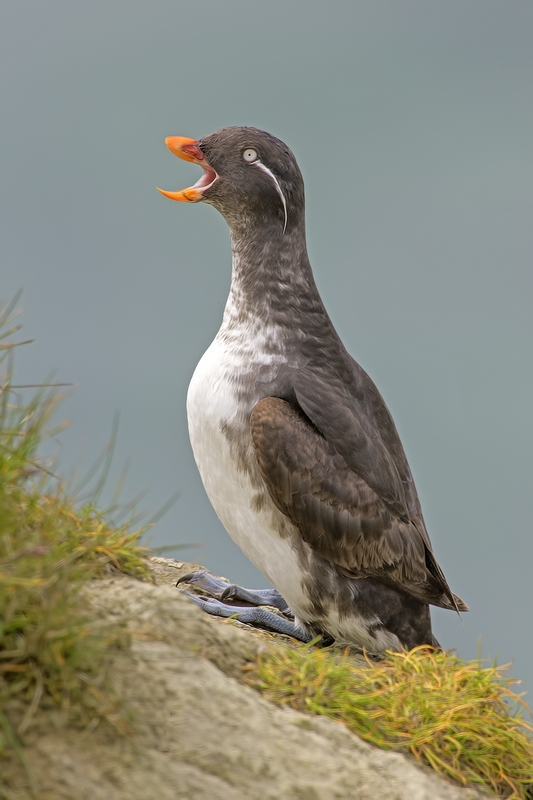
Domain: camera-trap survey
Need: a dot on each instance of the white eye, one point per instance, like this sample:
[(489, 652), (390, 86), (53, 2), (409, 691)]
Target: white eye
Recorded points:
[(250, 154)]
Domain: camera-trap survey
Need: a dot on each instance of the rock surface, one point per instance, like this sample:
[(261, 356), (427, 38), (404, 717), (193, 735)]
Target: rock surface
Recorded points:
[(200, 731)]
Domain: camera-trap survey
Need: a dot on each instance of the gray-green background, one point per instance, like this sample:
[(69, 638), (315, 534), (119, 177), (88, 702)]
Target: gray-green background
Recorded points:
[(412, 121)]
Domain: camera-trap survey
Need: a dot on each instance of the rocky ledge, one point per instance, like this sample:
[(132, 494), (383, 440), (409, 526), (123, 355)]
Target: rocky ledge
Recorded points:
[(200, 731)]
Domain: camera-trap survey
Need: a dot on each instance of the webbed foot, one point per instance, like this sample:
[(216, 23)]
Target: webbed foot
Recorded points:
[(250, 615), (223, 590)]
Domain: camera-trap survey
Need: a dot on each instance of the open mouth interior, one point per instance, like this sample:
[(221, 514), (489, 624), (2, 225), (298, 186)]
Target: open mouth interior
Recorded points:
[(208, 178)]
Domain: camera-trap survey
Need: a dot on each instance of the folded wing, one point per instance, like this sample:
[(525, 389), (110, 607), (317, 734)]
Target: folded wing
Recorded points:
[(336, 511)]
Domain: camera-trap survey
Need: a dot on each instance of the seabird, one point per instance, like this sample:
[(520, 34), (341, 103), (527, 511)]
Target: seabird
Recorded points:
[(298, 453)]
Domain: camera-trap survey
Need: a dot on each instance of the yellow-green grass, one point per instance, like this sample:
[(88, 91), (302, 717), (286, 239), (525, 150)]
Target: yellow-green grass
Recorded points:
[(52, 651), (451, 714)]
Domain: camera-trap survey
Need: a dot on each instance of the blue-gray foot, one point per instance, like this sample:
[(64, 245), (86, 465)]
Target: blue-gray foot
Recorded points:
[(251, 615), (223, 590)]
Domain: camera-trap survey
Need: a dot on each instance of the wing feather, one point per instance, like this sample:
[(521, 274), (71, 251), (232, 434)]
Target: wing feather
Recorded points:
[(335, 509)]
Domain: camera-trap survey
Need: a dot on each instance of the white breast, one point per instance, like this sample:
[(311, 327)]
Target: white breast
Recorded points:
[(218, 413)]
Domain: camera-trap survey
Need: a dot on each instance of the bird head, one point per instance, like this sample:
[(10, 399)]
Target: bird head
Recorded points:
[(250, 176)]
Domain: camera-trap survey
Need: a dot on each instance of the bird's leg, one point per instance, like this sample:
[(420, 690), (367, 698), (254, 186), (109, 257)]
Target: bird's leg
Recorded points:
[(250, 615), (223, 590), (251, 612)]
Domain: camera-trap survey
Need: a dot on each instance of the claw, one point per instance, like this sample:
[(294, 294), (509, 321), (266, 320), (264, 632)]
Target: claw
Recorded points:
[(191, 577), (257, 597), (202, 579)]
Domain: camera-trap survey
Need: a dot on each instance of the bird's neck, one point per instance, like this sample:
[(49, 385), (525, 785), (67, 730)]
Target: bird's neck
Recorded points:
[(272, 280)]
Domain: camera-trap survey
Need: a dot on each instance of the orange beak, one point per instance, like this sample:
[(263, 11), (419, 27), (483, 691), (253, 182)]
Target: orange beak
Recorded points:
[(188, 150)]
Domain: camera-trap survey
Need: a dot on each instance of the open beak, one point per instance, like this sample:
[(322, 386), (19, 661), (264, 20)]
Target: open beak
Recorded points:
[(188, 150)]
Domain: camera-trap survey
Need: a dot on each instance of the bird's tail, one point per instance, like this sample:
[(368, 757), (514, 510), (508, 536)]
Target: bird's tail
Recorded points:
[(448, 599), (460, 605)]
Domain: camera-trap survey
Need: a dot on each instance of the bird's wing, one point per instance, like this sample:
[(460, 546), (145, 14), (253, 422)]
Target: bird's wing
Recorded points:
[(334, 508), (354, 419)]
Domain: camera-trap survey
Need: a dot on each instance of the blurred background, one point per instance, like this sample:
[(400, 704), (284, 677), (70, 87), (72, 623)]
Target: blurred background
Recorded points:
[(412, 123)]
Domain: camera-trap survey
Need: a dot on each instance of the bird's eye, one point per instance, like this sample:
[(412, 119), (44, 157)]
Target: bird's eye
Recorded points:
[(250, 154)]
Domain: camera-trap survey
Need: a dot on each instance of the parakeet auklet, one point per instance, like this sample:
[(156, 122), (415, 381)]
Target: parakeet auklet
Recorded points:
[(297, 450)]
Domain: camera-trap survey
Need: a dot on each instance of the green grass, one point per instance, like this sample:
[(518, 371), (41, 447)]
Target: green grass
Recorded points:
[(52, 652), (450, 714)]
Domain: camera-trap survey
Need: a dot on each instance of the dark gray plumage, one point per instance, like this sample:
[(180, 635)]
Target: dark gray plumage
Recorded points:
[(297, 449)]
